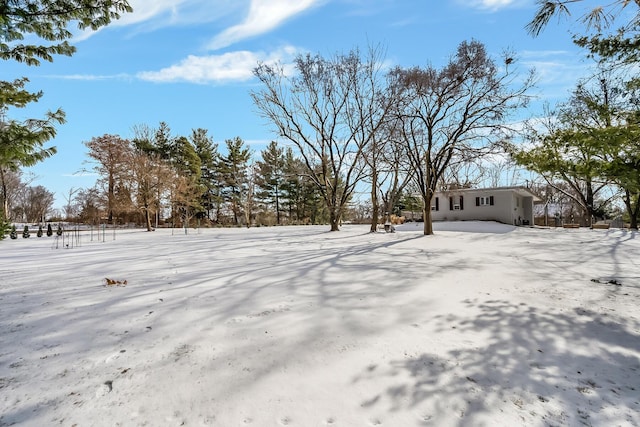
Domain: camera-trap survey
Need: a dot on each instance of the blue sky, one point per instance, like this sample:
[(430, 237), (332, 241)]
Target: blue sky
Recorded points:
[(189, 63)]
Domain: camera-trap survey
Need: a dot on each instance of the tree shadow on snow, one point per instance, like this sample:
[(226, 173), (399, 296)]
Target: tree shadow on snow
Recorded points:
[(534, 365)]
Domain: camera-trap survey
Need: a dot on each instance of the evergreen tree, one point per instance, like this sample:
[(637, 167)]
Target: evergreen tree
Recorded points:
[(209, 157), (186, 160), (585, 144), (164, 143), (270, 177), (301, 196), (14, 232), (49, 230), (47, 21), (621, 45), (25, 233), (59, 230), (39, 234), (212, 186), (22, 143), (620, 145), (44, 21), (233, 168)]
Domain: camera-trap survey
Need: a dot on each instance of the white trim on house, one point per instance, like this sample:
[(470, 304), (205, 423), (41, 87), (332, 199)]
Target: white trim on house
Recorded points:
[(509, 205)]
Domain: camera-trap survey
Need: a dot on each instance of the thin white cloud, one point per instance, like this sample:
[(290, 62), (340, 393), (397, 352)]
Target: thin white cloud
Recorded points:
[(263, 16), (543, 53), (144, 10), (161, 13), (228, 67), (557, 71), (90, 77), (491, 5), (151, 15)]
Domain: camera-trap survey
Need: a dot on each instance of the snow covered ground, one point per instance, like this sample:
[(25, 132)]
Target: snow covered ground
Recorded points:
[(480, 325)]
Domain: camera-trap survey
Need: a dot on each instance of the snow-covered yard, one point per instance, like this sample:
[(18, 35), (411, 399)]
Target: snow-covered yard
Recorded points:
[(480, 325)]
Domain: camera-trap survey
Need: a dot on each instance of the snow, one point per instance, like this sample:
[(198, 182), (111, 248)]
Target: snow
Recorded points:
[(481, 324)]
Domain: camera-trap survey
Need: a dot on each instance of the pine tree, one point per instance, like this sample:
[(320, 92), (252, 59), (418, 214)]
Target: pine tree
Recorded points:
[(49, 230), (209, 157), (165, 143), (271, 176), (25, 232), (234, 168), (59, 230), (47, 21), (22, 142), (301, 196), (39, 234), (14, 232)]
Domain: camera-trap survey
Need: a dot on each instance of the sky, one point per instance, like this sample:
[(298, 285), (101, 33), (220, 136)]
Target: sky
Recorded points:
[(189, 63)]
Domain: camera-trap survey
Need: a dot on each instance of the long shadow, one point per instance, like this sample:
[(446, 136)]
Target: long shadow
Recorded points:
[(65, 326), (231, 290), (532, 366)]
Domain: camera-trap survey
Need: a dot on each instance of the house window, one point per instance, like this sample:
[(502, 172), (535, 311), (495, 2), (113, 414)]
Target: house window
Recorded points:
[(484, 201), (435, 204), (456, 203)]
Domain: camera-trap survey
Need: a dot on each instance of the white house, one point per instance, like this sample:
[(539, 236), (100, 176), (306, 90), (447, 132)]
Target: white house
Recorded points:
[(509, 205)]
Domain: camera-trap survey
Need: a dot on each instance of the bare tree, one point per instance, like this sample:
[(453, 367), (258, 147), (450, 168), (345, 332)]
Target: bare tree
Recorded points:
[(151, 176), (369, 120), (393, 172), (329, 111), (69, 208), (109, 153), (88, 204), (458, 110), (150, 179), (249, 195), (184, 197), (39, 203)]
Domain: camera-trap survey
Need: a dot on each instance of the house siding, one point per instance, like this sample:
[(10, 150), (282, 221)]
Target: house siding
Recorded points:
[(510, 206)]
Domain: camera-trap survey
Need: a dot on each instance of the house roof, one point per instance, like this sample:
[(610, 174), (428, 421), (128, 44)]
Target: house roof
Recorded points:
[(521, 191)]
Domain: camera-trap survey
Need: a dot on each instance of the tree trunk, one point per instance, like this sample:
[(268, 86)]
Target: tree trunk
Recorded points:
[(334, 219), (374, 202), (110, 199), (633, 213), (147, 216), (277, 205), (426, 216), (5, 200)]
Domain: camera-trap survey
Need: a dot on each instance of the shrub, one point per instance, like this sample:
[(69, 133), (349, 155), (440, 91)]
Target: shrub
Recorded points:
[(14, 233), (25, 232)]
